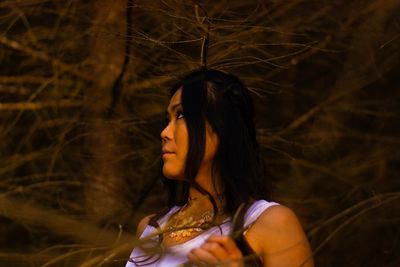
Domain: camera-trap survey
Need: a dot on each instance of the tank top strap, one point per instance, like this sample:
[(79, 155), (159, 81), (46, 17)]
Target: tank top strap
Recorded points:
[(165, 218), (255, 210), (150, 229)]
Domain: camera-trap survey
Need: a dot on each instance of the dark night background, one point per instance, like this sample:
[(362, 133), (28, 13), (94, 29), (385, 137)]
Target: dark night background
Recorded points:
[(84, 85)]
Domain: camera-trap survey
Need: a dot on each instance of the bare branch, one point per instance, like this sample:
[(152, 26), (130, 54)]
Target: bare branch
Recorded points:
[(45, 57)]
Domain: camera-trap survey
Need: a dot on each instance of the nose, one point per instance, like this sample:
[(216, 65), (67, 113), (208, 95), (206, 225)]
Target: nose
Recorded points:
[(166, 134)]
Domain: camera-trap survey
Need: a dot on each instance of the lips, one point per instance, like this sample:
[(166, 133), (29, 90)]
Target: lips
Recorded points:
[(166, 152), (167, 155)]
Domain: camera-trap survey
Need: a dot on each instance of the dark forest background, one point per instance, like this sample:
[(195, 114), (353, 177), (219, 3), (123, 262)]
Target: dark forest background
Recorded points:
[(84, 86)]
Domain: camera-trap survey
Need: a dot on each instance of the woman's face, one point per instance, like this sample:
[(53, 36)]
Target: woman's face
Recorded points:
[(175, 142)]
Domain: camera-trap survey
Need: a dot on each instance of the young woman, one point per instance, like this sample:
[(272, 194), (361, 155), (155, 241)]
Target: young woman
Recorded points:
[(217, 214)]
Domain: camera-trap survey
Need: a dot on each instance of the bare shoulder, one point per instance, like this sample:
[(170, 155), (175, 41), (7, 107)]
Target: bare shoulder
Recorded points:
[(278, 235), (277, 217), (142, 224)]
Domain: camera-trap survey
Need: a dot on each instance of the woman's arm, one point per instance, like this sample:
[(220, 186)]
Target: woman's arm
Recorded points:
[(276, 236)]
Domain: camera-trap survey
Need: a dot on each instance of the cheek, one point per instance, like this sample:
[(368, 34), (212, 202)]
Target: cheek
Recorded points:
[(174, 166), (211, 146), (181, 141)]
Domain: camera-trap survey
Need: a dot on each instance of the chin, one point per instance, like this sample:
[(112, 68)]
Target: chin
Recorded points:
[(172, 174)]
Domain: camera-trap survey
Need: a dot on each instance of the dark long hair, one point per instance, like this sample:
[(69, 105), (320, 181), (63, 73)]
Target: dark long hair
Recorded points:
[(223, 101)]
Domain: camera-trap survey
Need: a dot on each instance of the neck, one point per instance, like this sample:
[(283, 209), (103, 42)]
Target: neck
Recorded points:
[(204, 178), (194, 194)]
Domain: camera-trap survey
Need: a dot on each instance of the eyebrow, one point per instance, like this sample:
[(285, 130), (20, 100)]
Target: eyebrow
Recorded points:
[(174, 107)]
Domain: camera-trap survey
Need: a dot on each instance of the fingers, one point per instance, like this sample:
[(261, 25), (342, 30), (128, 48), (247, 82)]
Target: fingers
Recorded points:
[(227, 244), (216, 249), (202, 257)]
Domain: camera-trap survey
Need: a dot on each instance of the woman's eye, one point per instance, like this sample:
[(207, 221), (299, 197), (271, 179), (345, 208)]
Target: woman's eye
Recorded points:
[(179, 114)]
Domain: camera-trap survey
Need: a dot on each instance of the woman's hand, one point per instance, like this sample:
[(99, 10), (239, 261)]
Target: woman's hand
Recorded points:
[(217, 250)]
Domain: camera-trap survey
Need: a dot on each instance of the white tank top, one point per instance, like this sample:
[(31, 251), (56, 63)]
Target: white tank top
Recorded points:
[(176, 255)]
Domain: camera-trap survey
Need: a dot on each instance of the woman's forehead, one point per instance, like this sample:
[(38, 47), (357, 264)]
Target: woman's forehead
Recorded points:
[(175, 99)]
